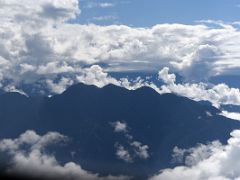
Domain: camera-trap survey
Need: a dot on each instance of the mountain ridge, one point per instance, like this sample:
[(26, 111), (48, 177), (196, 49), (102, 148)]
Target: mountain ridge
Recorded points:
[(85, 113)]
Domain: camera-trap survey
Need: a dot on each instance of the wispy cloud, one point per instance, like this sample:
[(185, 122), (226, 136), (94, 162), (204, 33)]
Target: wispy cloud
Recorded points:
[(106, 5), (91, 5), (104, 18)]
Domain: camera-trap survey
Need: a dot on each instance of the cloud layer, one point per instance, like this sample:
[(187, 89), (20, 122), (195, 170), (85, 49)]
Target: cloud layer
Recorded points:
[(29, 158), (213, 162), (40, 45)]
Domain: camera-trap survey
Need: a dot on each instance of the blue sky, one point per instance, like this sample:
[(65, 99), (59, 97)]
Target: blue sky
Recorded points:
[(145, 13)]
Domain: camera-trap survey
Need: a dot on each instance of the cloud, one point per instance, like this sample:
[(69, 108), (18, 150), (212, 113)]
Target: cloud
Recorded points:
[(133, 149), (97, 76), (123, 154), (104, 18), (31, 13), (140, 150), (38, 42), (39, 46), (231, 115), (60, 86), (216, 94), (192, 156), (119, 126), (209, 114), (91, 5), (166, 77), (12, 88), (29, 158), (106, 5), (211, 161)]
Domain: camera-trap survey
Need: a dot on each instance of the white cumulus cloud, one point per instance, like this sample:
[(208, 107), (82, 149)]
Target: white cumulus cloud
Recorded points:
[(133, 149), (29, 158), (39, 46), (212, 161), (39, 43), (122, 153), (216, 94), (231, 115), (120, 126)]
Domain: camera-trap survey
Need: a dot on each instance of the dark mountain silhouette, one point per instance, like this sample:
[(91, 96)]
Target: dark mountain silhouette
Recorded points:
[(85, 113)]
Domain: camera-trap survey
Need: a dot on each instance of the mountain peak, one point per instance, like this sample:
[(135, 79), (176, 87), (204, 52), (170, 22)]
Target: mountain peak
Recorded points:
[(86, 114)]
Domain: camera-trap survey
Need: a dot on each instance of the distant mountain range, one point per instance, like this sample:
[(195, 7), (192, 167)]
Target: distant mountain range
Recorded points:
[(87, 115)]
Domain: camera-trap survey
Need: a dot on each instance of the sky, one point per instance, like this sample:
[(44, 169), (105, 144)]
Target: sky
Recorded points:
[(49, 45), (143, 13)]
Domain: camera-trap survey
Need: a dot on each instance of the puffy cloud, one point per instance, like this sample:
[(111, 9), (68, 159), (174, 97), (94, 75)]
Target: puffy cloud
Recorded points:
[(212, 161), (26, 55), (43, 11), (38, 42), (120, 126), (140, 150), (231, 115), (96, 75), (133, 149), (123, 154), (166, 77), (28, 157), (39, 46), (216, 94), (192, 156), (60, 86)]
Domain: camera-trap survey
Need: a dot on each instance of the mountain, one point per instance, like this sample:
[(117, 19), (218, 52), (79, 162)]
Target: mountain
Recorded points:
[(86, 114)]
